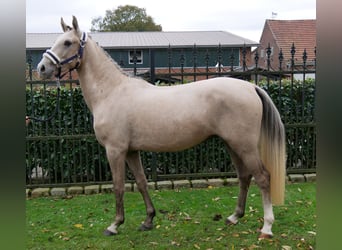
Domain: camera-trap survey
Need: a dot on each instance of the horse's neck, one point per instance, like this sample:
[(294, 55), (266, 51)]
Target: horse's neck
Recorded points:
[(98, 74)]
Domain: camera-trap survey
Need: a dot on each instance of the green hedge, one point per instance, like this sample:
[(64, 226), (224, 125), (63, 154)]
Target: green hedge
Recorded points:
[(81, 159)]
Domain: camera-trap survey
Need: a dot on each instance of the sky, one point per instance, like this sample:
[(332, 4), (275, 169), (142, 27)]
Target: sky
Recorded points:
[(245, 18)]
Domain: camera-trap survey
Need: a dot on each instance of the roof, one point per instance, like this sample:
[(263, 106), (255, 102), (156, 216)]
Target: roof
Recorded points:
[(148, 39), (300, 32)]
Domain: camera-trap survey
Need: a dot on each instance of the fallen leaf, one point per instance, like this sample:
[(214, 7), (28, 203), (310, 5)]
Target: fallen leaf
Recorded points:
[(197, 246), (187, 216), (253, 247), (80, 226), (174, 243), (286, 248), (252, 210), (216, 199)]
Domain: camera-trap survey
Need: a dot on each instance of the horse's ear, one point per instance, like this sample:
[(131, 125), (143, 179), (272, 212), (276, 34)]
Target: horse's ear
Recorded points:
[(64, 26), (75, 25)]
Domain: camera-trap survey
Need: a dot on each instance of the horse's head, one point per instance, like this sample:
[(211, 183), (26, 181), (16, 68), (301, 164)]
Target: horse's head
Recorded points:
[(66, 52)]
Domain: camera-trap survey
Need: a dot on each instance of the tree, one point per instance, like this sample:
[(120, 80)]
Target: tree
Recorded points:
[(125, 18)]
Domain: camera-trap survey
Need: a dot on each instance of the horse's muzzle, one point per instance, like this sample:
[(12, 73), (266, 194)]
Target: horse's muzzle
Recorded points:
[(45, 69)]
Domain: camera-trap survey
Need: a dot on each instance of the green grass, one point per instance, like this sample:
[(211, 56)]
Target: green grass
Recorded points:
[(184, 220)]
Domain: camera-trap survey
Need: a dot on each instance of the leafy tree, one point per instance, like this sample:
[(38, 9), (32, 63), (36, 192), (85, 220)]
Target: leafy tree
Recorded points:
[(125, 18)]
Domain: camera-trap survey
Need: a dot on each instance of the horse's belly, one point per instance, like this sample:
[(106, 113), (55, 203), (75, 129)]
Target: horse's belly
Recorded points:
[(168, 141)]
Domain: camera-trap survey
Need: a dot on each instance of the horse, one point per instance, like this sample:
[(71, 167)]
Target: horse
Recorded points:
[(130, 115)]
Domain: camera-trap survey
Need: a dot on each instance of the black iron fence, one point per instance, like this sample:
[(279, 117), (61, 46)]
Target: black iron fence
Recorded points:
[(64, 151)]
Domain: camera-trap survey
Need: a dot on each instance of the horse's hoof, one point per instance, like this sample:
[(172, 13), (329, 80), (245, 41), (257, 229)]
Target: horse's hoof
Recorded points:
[(229, 222), (108, 233), (143, 227), (265, 236)]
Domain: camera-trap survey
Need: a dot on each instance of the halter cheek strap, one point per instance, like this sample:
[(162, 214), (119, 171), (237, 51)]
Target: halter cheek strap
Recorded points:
[(56, 60)]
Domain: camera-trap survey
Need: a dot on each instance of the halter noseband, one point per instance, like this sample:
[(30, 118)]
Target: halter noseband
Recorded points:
[(55, 59)]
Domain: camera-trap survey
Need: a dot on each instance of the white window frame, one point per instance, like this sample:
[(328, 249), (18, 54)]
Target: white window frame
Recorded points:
[(139, 54)]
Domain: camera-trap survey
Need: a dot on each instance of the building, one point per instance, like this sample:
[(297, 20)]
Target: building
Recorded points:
[(170, 49), (281, 35)]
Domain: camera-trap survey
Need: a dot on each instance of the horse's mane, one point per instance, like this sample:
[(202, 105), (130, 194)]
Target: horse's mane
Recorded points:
[(110, 58)]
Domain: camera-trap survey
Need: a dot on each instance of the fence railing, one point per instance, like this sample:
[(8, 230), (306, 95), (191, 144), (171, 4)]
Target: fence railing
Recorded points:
[(64, 151)]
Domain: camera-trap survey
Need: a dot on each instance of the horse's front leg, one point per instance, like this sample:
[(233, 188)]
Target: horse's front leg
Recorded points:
[(116, 160), (134, 163)]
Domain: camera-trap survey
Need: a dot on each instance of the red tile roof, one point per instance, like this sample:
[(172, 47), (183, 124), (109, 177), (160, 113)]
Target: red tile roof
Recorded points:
[(300, 32)]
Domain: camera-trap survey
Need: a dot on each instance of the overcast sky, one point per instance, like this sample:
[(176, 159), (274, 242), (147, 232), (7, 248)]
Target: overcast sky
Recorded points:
[(245, 18)]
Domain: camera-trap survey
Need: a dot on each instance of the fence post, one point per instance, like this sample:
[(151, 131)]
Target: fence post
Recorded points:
[(207, 63), (182, 60), (152, 67), (232, 58), (135, 62), (154, 167), (256, 60), (244, 52), (169, 58), (194, 54), (29, 62)]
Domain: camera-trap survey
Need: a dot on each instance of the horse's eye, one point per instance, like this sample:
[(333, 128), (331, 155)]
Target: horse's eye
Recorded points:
[(67, 43)]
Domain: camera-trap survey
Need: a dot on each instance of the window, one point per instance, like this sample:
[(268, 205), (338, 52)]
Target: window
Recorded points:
[(138, 54), (262, 53)]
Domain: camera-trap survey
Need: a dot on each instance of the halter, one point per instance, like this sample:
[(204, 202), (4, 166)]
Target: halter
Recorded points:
[(55, 59)]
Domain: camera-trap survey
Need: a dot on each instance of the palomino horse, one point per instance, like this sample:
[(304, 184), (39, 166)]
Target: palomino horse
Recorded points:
[(131, 115)]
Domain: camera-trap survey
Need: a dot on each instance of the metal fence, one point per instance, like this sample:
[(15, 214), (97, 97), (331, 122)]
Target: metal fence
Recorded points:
[(64, 151)]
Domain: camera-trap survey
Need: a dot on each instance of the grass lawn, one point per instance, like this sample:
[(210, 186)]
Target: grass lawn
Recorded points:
[(184, 220)]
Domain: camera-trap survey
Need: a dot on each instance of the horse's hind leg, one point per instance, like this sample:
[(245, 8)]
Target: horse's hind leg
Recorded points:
[(244, 182), (254, 164), (134, 163), (117, 165)]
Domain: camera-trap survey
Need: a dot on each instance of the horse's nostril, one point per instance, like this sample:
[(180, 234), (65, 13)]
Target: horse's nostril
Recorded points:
[(42, 68)]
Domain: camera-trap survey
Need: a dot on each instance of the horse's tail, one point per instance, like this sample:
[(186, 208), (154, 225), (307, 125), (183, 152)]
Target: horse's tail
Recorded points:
[(272, 147)]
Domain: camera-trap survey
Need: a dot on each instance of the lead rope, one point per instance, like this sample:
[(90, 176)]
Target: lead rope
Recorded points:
[(54, 112)]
